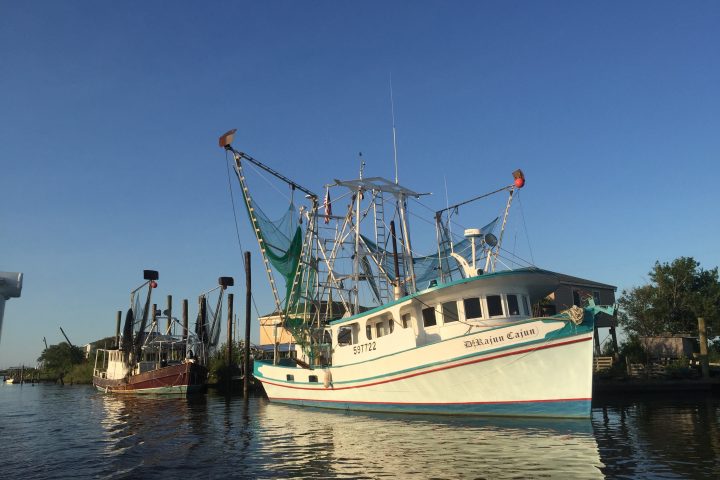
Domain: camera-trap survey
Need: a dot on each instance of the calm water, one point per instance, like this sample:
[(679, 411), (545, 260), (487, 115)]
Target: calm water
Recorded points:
[(62, 432)]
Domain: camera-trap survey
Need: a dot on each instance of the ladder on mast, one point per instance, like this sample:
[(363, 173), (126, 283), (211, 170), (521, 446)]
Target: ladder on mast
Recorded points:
[(381, 242)]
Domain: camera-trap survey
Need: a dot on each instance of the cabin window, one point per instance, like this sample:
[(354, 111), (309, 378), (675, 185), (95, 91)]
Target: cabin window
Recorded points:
[(525, 305), (313, 379), (345, 336), (450, 312), (380, 329), (290, 378), (596, 297), (513, 305), (368, 332), (428, 314), (391, 325), (472, 308), (405, 320), (494, 304)]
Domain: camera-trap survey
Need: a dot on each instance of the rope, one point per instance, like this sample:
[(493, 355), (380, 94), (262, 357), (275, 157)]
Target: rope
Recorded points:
[(575, 314)]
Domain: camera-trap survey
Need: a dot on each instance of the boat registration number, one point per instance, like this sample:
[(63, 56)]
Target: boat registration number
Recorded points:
[(365, 347)]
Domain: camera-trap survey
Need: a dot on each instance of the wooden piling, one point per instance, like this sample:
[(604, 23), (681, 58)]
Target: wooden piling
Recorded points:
[(702, 336), (248, 300), (616, 350), (202, 333), (230, 299), (185, 319), (118, 319)]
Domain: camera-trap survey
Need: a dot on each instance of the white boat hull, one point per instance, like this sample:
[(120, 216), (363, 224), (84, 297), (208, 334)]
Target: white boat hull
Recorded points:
[(500, 371)]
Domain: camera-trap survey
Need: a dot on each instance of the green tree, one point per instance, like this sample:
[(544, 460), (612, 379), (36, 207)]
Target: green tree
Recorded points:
[(678, 293), (60, 358)]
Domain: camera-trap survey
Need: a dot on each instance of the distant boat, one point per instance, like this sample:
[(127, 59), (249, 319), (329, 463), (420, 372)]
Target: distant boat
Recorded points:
[(9, 380), (148, 361), (446, 333)]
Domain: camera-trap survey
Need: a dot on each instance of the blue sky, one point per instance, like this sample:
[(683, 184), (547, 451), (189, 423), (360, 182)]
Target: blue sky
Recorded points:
[(110, 113)]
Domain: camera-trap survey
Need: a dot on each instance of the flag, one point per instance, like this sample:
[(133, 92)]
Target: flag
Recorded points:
[(328, 206)]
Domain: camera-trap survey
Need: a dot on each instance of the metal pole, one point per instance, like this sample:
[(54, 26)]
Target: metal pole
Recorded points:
[(405, 229), (248, 300), (398, 289), (230, 299), (356, 257), (502, 232)]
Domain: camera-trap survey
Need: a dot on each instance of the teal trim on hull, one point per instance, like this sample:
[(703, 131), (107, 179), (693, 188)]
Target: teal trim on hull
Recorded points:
[(571, 408)]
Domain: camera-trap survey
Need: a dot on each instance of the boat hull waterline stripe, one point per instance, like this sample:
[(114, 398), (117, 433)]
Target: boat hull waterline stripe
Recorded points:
[(446, 367), (567, 408)]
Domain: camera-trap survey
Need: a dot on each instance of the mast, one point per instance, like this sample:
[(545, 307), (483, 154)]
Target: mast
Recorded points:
[(356, 259), (519, 182), (502, 231), (404, 226)]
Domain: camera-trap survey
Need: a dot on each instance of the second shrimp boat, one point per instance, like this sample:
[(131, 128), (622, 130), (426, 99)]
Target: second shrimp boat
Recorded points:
[(150, 359), (445, 334)]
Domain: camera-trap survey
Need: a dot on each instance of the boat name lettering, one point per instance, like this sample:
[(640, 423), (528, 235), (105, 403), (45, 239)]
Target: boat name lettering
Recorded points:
[(365, 347), (498, 339)]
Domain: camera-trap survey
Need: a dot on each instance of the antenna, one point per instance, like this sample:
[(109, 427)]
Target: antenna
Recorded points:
[(392, 111)]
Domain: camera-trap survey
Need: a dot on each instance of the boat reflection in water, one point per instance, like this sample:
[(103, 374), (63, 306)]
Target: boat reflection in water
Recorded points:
[(354, 444), (210, 435), (214, 436)]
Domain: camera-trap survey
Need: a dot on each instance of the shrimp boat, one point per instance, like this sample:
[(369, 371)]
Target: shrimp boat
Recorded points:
[(378, 328), (152, 360)]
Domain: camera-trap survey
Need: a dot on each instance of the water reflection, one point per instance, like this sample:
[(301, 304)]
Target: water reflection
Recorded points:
[(672, 437), (151, 432), (314, 442), (75, 432), (256, 439)]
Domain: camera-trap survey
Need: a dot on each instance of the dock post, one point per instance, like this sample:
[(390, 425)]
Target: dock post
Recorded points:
[(118, 318), (169, 315), (185, 319), (230, 300), (248, 300), (702, 336), (616, 350)]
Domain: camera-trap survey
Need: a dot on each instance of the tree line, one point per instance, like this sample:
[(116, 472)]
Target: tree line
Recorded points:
[(679, 292)]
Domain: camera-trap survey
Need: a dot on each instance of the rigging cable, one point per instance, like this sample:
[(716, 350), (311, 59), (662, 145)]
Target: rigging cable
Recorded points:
[(527, 234)]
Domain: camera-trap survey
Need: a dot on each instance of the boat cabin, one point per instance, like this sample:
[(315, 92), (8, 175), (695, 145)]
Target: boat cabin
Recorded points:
[(411, 322)]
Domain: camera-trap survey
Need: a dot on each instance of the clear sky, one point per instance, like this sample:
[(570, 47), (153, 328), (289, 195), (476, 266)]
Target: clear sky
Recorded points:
[(110, 113)]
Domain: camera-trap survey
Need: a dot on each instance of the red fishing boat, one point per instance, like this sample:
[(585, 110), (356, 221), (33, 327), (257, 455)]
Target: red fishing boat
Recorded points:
[(148, 360)]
